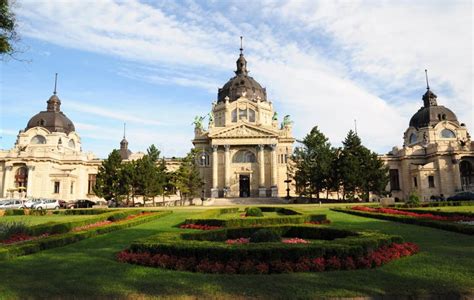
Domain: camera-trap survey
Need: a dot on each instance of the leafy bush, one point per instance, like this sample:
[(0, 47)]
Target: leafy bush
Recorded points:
[(413, 199), (8, 229), (118, 216), (265, 235), (253, 212)]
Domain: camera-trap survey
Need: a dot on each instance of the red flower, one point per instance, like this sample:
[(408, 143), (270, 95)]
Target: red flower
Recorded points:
[(199, 227)]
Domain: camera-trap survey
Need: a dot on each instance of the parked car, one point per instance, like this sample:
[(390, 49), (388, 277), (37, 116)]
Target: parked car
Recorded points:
[(12, 204), (462, 196), (30, 203), (81, 203), (47, 204), (62, 204)]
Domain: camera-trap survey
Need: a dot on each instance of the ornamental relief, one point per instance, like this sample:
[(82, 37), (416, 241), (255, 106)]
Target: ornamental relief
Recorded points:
[(243, 132)]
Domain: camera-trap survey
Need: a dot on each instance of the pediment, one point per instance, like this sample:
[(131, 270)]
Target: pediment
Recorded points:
[(244, 131)]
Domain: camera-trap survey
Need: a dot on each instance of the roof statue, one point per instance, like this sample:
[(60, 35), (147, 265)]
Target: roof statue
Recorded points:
[(198, 122), (286, 121), (275, 117)]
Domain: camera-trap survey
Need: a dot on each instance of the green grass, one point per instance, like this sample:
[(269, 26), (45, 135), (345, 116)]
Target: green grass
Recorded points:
[(238, 215), (34, 220), (87, 269)]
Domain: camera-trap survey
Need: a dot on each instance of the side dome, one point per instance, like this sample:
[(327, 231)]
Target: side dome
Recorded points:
[(53, 119), (241, 83), (431, 113)]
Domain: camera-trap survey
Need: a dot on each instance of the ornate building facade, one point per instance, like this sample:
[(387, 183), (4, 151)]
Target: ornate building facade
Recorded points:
[(244, 152), (437, 158)]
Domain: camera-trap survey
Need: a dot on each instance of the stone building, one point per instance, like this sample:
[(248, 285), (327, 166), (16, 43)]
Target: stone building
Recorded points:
[(244, 152), (47, 160), (437, 158)]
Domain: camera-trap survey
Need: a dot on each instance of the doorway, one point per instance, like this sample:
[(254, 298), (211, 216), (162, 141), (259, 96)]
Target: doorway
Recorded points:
[(244, 186)]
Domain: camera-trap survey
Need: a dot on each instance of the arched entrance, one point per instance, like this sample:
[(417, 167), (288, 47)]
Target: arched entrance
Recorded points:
[(21, 179), (467, 174)]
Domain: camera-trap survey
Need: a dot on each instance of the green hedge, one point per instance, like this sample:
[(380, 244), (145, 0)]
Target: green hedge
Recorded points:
[(444, 225), (83, 211), (439, 204), (438, 213), (25, 248), (211, 245), (14, 212), (290, 216)]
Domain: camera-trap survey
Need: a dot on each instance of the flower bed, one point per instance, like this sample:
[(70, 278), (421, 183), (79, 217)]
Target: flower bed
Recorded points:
[(199, 227), (455, 217), (230, 251), (404, 218)]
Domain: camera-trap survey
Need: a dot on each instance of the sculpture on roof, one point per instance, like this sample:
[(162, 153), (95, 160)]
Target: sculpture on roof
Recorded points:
[(286, 121), (198, 122)]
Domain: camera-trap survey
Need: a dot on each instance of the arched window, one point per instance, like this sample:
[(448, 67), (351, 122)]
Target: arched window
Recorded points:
[(251, 115), (467, 173), (234, 115), (244, 156), (448, 134), (71, 144), (413, 138), (38, 139), (21, 177), (203, 159)]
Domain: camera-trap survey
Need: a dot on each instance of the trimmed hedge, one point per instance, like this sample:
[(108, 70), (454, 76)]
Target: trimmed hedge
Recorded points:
[(439, 204), (444, 225), (210, 244), (438, 213), (29, 247), (211, 218)]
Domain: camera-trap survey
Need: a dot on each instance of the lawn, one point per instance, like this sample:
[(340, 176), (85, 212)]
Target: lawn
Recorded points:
[(87, 269), (34, 220)]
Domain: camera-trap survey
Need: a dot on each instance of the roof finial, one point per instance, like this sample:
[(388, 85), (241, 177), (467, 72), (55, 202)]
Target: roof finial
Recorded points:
[(426, 75), (124, 128), (355, 126), (55, 83), (241, 47)]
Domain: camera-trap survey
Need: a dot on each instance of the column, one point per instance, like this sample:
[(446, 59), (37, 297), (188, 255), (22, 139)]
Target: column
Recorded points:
[(7, 183), (215, 165), (29, 183), (262, 190), (274, 172), (227, 168)]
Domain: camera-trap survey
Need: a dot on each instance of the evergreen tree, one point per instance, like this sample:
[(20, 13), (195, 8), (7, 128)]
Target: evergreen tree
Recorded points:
[(350, 165), (313, 163), (187, 178), (109, 184)]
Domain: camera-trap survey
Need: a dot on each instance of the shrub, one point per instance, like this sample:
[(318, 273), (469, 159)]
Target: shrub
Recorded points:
[(8, 229), (413, 199), (118, 216), (14, 212), (265, 235), (253, 212)]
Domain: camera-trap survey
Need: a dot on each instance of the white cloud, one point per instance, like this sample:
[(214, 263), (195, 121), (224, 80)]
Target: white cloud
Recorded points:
[(325, 63)]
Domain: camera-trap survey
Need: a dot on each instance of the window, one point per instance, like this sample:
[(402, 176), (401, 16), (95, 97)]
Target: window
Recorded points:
[(431, 181), (203, 159), (413, 138), (415, 182), (72, 188), (251, 115), (41, 122), (38, 139), (234, 115), (91, 184), (71, 144), (242, 114), (244, 156), (448, 134), (394, 180), (283, 158), (56, 187)]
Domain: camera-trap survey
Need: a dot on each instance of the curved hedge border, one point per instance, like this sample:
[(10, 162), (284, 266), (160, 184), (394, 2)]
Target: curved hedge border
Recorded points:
[(207, 251), (33, 246), (444, 225), (291, 216), (437, 212)]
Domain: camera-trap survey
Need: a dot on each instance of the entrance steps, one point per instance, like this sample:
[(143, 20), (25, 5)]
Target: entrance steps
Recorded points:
[(244, 201)]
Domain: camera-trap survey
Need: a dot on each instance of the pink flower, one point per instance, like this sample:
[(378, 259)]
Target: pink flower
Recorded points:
[(294, 241)]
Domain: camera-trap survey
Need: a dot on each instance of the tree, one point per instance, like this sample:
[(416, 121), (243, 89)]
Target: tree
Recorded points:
[(375, 175), (187, 178), (109, 183), (313, 163), (350, 165), (8, 33), (149, 177)]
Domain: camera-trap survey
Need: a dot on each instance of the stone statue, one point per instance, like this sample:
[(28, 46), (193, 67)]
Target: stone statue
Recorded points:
[(275, 117), (286, 121), (211, 117), (198, 122)]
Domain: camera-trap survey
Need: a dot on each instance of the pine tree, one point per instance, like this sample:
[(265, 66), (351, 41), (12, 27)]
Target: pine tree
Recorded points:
[(350, 165), (109, 183), (187, 178)]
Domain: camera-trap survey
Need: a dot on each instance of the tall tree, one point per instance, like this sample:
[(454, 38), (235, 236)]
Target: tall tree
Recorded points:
[(187, 178), (313, 163), (8, 33), (109, 184), (350, 165)]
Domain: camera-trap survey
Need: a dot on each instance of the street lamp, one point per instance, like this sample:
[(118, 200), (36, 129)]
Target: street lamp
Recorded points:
[(288, 180), (203, 163)]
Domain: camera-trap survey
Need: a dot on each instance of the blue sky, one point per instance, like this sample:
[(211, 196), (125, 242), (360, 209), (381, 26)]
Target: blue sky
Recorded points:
[(156, 64)]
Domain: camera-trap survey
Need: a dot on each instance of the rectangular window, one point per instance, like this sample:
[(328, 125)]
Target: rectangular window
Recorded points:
[(394, 180), (56, 187), (242, 114), (72, 188), (90, 186), (431, 181), (415, 182)]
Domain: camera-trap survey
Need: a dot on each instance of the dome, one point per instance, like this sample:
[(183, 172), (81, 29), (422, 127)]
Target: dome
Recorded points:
[(431, 113), (53, 119), (240, 84)]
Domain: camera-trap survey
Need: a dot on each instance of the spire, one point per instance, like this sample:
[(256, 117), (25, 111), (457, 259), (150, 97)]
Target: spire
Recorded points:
[(124, 124), (124, 142), (429, 98), (55, 83), (241, 62)]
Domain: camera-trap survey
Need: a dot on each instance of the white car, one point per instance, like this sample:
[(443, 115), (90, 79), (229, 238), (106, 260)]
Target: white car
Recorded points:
[(12, 204), (31, 202), (46, 204)]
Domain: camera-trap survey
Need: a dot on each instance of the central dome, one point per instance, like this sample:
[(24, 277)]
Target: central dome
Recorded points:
[(53, 119), (242, 85), (431, 113)]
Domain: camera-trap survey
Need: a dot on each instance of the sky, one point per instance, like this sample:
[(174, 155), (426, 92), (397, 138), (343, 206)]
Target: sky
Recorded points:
[(154, 65)]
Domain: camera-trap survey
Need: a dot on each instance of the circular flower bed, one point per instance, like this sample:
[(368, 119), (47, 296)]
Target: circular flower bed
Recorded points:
[(231, 250)]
